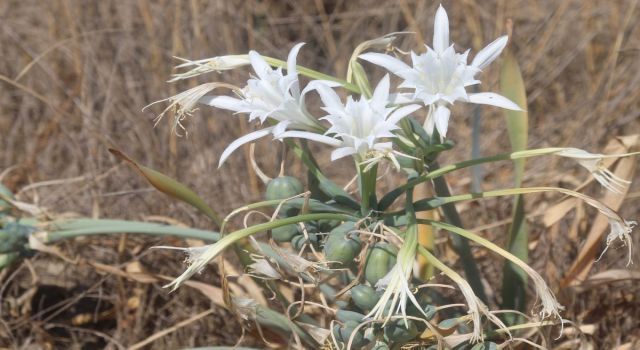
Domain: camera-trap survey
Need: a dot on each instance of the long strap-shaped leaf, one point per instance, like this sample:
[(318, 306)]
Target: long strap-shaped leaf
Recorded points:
[(169, 186), (460, 244), (514, 280)]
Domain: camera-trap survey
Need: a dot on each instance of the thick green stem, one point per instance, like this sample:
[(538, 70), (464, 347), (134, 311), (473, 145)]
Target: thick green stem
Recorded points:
[(367, 183)]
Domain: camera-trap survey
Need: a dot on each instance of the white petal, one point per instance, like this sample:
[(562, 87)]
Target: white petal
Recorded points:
[(441, 31), (280, 128), (241, 141), (329, 97), (291, 60), (441, 120), (223, 102), (259, 65), (490, 98), (310, 136), (342, 152), (381, 93), (313, 85), (402, 112), (429, 123), (490, 52), (392, 64)]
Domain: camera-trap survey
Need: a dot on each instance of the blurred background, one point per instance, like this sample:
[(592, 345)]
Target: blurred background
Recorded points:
[(75, 75)]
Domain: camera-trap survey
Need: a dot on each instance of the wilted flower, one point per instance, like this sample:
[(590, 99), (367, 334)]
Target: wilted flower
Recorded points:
[(186, 102), (440, 75), (269, 95), (396, 282), (620, 229), (261, 268), (593, 163), (358, 127), (216, 64)]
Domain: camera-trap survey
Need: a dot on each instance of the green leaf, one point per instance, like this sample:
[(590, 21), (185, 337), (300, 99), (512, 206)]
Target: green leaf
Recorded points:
[(460, 244), (170, 187), (63, 229), (514, 281)]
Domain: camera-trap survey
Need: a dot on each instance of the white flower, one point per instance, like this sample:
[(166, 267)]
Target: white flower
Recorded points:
[(359, 126), (396, 283), (440, 76), (396, 293), (270, 94), (593, 163)]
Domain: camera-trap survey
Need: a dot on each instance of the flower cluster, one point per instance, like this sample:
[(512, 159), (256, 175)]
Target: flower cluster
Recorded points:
[(361, 127), (404, 121)]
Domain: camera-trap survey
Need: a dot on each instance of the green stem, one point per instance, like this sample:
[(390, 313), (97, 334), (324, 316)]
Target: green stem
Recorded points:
[(367, 183)]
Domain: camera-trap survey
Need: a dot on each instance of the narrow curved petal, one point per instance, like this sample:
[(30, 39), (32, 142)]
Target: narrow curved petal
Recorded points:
[(402, 112), (241, 141), (291, 60), (223, 102), (441, 120), (392, 64), (490, 52), (381, 93), (490, 98), (342, 152), (280, 128), (329, 97), (441, 31), (313, 85), (259, 65), (310, 136)]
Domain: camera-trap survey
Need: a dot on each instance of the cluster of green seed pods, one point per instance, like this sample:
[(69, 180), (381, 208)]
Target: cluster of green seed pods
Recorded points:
[(342, 246)]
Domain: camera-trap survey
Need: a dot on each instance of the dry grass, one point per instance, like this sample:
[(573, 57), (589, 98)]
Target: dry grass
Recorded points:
[(76, 74)]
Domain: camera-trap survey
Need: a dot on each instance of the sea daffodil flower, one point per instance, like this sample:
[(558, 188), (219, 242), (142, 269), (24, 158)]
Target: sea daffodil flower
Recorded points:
[(270, 94), (440, 76), (358, 127)]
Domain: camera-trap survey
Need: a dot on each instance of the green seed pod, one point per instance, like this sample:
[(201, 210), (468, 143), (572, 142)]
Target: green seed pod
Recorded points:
[(342, 304), (364, 297), (358, 339), (300, 240), (346, 315), (341, 247), (428, 309), (382, 257), (283, 187), (326, 225), (285, 233), (336, 333), (397, 332), (13, 237)]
